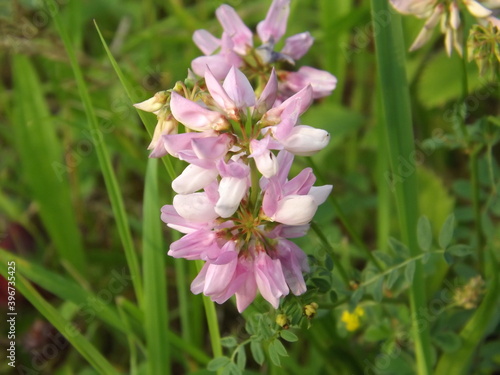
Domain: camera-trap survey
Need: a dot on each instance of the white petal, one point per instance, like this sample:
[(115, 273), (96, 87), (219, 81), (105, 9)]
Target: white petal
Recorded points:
[(193, 178), (231, 192), (195, 207), (295, 210)]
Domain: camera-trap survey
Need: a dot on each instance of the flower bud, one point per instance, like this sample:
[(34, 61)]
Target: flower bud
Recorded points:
[(305, 140)]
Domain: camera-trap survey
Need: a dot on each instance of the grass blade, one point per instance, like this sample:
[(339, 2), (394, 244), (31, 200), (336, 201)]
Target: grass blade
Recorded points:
[(112, 186), (146, 119), (41, 153), (155, 296), (65, 327), (390, 52)]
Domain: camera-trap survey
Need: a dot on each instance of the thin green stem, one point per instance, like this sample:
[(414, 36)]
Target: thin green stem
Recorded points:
[(329, 248), (390, 52), (213, 324), (345, 222), (474, 179)]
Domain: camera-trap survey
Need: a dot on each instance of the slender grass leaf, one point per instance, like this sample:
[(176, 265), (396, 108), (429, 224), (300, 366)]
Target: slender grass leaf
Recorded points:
[(446, 233), (110, 180), (449, 342), (41, 155), (155, 288), (65, 327), (147, 119), (424, 233)]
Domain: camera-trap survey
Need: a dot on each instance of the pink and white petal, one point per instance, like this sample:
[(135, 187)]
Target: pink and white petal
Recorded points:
[(320, 193), (270, 279), (232, 24), (239, 89), (193, 178), (322, 82), (219, 94), (231, 192), (211, 148), (295, 210), (195, 207), (193, 245), (193, 115), (198, 284), (218, 64), (273, 27), (206, 42), (173, 220), (305, 140), (300, 184), (476, 9), (297, 45), (268, 96), (218, 277)]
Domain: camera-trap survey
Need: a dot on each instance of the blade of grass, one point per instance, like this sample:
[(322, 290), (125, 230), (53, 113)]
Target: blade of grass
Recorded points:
[(155, 296), (390, 53), (112, 186), (40, 151), (147, 119), (65, 327), (64, 288)]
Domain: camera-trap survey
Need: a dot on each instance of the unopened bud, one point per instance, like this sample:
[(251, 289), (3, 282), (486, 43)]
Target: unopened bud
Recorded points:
[(282, 321)]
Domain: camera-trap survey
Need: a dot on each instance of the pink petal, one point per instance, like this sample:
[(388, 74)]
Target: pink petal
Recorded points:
[(274, 25), (194, 116), (193, 178), (218, 64), (269, 94), (195, 207), (270, 279), (239, 89), (300, 184), (320, 193), (295, 210), (193, 245), (297, 45), (322, 82), (206, 42), (240, 34), (173, 220), (219, 94)]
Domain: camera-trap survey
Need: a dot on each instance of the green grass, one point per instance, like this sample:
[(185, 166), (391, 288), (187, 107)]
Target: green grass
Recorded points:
[(80, 199)]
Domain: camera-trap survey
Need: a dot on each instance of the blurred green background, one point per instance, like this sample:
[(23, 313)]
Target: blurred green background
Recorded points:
[(80, 218)]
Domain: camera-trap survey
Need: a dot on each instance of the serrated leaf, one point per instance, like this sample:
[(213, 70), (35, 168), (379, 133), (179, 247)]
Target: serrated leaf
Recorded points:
[(280, 348), (447, 341), (241, 358), (218, 363), (460, 250), (288, 336), (424, 233), (229, 342), (446, 233), (399, 248), (392, 278), (274, 356), (357, 295), (410, 271), (257, 352)]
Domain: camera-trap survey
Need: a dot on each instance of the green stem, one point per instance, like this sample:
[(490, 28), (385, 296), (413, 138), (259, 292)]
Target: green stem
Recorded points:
[(474, 179), (213, 324), (390, 52), (345, 222), (329, 248)]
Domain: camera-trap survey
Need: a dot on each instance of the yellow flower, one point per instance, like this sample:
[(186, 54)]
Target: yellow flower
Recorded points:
[(351, 320)]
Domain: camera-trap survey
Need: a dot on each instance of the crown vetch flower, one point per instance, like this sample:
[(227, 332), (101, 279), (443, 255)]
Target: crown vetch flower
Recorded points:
[(235, 204)]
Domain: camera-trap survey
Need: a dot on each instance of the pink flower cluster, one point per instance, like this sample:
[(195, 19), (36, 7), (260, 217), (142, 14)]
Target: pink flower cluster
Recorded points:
[(235, 203)]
